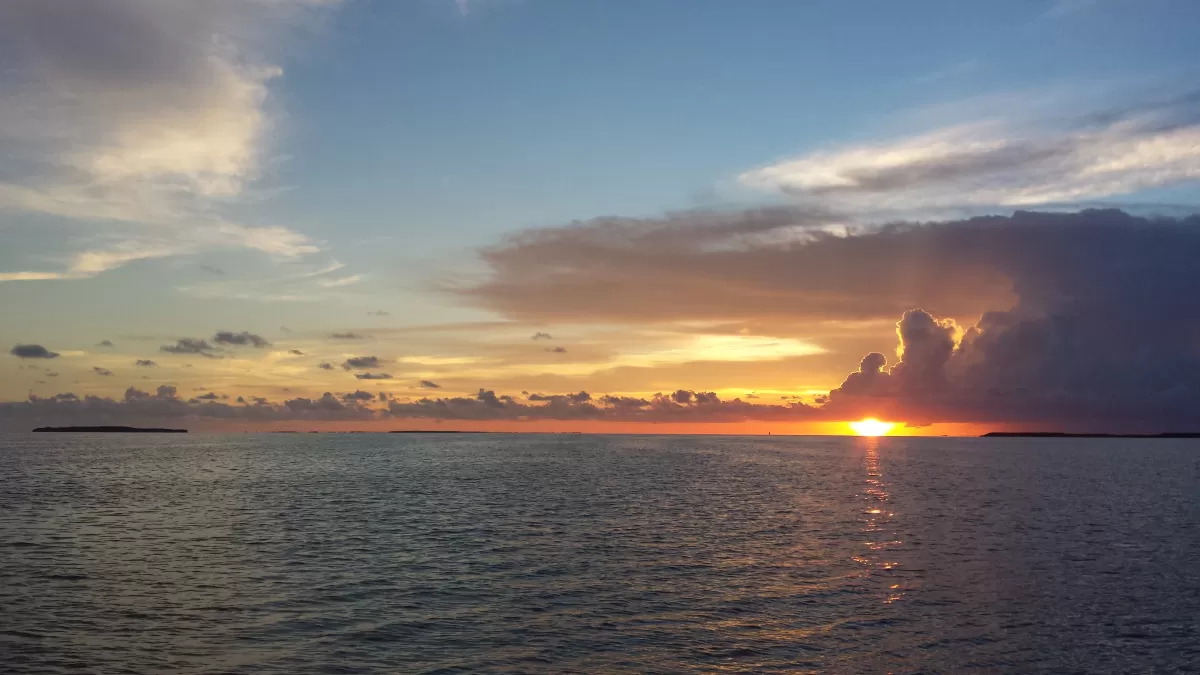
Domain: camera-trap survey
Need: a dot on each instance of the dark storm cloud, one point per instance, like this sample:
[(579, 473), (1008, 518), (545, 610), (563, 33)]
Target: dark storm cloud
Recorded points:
[(362, 363), (1103, 337), (359, 395), (1089, 319), (347, 336), (145, 363), (104, 343), (103, 372), (242, 339), (373, 376), (190, 346), (427, 384), (32, 352)]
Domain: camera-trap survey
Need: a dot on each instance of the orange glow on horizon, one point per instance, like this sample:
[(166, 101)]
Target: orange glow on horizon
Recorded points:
[(871, 427)]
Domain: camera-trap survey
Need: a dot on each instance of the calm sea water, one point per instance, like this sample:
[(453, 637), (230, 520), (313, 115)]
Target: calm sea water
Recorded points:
[(559, 554)]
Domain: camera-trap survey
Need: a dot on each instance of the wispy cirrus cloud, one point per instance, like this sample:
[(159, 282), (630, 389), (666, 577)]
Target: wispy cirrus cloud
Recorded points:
[(992, 163)]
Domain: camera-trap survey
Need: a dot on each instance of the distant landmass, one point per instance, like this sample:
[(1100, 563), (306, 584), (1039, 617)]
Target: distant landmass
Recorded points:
[(111, 430), (434, 431), (1059, 434)]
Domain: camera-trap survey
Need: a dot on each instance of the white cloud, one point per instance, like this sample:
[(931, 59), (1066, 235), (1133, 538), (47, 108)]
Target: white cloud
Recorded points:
[(341, 281), (32, 276), (146, 112), (995, 164)]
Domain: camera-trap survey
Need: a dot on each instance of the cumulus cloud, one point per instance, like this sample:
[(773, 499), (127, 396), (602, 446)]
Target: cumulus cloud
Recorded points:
[(104, 343), (145, 363), (541, 336), (1102, 337), (326, 366), (373, 376), (997, 164), (243, 338), (141, 115), (428, 384), (362, 363), (32, 352), (359, 395), (190, 346), (103, 372)]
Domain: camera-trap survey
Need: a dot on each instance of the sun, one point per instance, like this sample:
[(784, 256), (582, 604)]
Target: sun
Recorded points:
[(871, 427)]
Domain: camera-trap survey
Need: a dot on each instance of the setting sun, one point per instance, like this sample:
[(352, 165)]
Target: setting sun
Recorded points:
[(871, 427)]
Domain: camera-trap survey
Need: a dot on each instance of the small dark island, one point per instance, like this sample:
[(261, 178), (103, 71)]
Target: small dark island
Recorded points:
[(110, 430), (1061, 434)]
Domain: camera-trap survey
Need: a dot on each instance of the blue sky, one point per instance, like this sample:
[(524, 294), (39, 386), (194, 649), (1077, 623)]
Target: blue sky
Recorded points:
[(175, 169)]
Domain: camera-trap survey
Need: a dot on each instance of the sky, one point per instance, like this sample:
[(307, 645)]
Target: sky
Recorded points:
[(682, 216)]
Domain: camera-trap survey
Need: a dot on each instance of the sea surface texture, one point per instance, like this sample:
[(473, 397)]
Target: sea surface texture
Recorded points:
[(363, 553)]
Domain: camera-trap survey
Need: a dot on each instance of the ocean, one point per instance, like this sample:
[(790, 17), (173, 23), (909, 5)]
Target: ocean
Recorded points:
[(375, 553)]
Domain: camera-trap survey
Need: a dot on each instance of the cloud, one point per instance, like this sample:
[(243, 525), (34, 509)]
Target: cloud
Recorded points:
[(33, 276), (295, 352), (243, 338), (992, 164), (373, 376), (145, 363), (792, 265), (541, 336), (143, 121), (104, 343), (428, 384), (103, 372), (359, 395), (362, 363), (213, 270), (341, 281), (285, 329), (210, 396), (347, 336), (190, 346), (557, 350), (1088, 319), (32, 352), (326, 366), (1102, 336), (379, 312)]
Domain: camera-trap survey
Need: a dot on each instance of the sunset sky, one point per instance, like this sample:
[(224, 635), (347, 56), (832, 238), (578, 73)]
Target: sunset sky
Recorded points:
[(539, 215)]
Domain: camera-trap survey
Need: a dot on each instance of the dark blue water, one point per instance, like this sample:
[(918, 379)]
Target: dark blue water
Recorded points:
[(556, 554)]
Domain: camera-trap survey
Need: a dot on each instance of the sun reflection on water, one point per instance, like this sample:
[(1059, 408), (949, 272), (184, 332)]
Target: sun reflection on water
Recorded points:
[(879, 526)]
